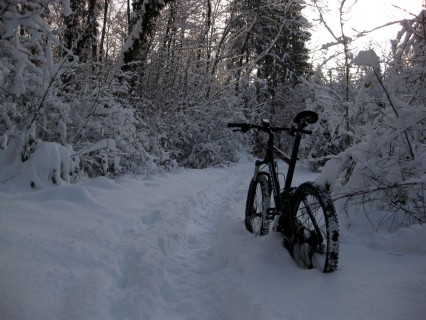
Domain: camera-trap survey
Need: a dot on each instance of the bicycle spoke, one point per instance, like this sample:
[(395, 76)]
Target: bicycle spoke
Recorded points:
[(257, 206), (313, 246), (308, 218)]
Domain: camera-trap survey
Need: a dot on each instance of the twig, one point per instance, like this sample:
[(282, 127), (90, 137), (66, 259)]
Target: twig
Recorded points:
[(364, 192)]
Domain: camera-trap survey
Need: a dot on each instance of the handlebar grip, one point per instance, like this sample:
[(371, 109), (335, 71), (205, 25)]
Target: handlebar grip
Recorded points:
[(244, 127), (306, 131), (235, 125)]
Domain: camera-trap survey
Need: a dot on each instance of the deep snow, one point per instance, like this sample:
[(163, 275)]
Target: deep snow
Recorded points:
[(174, 246)]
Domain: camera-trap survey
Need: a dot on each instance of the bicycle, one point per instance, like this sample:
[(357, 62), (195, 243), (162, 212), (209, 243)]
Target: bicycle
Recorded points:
[(305, 215)]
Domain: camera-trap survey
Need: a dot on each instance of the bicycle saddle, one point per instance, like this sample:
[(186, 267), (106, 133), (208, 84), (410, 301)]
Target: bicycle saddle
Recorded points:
[(306, 117)]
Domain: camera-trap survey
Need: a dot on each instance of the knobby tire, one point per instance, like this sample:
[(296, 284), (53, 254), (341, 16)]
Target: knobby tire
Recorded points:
[(315, 239), (257, 205)]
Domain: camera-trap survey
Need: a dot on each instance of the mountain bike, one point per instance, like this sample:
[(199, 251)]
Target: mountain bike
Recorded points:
[(305, 215)]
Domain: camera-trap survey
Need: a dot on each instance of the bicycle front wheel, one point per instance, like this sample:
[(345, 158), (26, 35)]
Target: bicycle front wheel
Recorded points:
[(315, 241), (257, 205)]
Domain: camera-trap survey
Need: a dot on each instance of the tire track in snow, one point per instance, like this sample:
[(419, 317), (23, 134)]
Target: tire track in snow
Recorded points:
[(202, 276), (186, 271)]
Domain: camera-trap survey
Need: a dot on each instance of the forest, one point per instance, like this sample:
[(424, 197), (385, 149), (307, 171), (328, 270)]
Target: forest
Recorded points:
[(109, 87)]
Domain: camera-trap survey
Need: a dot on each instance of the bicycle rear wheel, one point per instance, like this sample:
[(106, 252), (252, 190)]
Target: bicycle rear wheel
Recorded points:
[(257, 205), (315, 239)]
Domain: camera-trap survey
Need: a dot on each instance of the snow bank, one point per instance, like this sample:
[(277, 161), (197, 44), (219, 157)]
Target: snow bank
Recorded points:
[(49, 164)]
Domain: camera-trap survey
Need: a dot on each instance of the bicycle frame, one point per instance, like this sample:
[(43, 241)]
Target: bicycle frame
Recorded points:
[(272, 166), (307, 217)]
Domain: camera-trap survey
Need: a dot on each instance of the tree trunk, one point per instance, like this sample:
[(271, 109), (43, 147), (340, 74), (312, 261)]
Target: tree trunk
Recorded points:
[(101, 44), (92, 30), (141, 27)]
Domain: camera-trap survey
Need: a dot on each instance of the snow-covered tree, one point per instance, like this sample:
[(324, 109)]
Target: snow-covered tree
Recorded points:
[(385, 166), (268, 42), (141, 28)]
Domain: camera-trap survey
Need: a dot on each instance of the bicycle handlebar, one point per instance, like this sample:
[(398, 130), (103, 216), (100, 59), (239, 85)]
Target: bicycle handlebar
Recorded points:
[(247, 126)]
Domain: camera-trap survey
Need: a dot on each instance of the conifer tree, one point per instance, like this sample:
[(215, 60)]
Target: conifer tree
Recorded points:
[(269, 42)]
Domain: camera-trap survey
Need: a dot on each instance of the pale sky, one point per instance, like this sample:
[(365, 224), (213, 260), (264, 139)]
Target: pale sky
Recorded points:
[(366, 15)]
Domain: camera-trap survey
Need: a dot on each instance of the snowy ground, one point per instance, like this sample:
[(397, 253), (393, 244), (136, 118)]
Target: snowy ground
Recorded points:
[(174, 246)]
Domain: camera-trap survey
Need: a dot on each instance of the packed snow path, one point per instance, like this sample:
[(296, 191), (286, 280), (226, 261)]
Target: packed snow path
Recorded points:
[(174, 246)]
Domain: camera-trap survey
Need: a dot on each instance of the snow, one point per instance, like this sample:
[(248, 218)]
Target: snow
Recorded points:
[(367, 58), (174, 246), (66, 7), (49, 164)]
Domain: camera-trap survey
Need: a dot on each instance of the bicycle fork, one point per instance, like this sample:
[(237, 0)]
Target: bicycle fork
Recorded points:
[(273, 185)]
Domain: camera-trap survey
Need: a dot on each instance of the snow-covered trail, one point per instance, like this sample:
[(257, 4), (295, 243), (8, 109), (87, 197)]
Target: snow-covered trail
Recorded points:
[(175, 278), (174, 246)]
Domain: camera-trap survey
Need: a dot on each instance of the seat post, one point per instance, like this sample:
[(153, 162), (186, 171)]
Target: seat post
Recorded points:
[(293, 160)]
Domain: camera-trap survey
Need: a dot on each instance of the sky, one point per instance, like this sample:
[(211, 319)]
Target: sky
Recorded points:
[(364, 15)]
